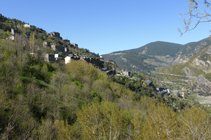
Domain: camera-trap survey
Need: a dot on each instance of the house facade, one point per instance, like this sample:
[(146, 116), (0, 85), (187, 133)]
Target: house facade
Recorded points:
[(26, 26), (75, 45), (49, 57), (67, 59), (46, 44), (55, 34), (58, 48)]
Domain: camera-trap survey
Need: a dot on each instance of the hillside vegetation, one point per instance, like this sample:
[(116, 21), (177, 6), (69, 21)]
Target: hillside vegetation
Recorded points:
[(42, 100), (36, 36), (56, 101)]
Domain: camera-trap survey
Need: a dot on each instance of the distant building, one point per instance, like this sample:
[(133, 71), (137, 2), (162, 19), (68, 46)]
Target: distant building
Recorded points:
[(55, 34), (57, 48), (49, 57), (56, 56), (182, 94), (70, 55), (26, 26), (67, 59), (75, 57), (95, 61), (163, 91), (125, 73), (45, 44), (12, 31), (75, 45), (84, 57), (110, 72), (12, 37), (65, 49), (150, 83)]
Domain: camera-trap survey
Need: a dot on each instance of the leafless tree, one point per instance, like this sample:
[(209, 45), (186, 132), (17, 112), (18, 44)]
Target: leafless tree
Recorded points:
[(198, 13)]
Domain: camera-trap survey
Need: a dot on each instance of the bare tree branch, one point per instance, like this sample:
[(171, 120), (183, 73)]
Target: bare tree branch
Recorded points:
[(196, 13)]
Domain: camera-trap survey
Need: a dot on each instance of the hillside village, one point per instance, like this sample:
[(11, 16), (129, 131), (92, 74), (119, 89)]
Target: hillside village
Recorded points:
[(63, 54), (51, 88)]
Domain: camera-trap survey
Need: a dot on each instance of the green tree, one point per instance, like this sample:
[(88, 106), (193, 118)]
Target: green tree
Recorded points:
[(161, 123), (101, 121), (196, 124), (68, 132), (79, 69)]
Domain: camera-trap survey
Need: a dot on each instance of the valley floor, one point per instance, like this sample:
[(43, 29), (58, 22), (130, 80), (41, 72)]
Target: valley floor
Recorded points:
[(180, 83)]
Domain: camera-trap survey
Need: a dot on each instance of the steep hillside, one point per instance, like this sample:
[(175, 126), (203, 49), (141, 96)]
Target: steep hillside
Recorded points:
[(194, 73), (15, 29), (43, 100), (156, 55)]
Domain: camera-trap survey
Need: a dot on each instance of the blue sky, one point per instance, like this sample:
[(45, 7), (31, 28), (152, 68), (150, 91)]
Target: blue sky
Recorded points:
[(105, 26)]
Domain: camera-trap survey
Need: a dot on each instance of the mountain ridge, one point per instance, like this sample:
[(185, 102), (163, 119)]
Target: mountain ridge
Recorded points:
[(156, 55)]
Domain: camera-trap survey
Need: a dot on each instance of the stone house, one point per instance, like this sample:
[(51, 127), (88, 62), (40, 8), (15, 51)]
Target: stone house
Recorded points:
[(110, 72), (58, 48), (56, 56), (46, 44), (12, 37), (125, 73), (49, 57), (14, 31), (55, 34), (75, 45), (98, 62), (163, 91), (75, 57), (67, 59), (26, 26), (182, 94), (66, 49)]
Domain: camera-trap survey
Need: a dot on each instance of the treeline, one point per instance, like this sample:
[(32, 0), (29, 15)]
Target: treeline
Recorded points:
[(39, 100)]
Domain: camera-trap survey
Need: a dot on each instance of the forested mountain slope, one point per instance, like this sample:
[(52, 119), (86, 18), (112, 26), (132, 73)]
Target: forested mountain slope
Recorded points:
[(156, 55), (196, 72)]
